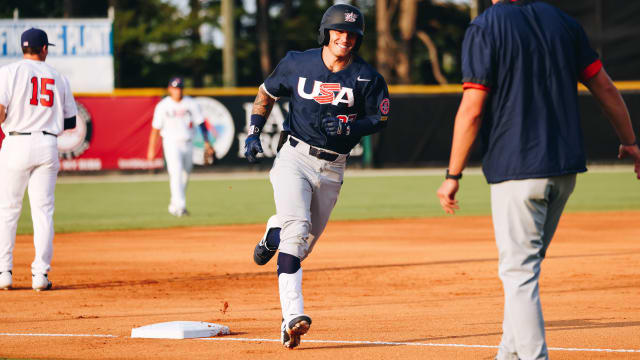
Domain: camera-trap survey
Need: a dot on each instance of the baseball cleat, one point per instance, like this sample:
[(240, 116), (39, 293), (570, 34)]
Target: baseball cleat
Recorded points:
[(292, 330), (262, 254), (6, 280), (40, 282)]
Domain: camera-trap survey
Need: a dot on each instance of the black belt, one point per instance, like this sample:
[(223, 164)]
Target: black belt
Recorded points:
[(28, 133), (319, 153)]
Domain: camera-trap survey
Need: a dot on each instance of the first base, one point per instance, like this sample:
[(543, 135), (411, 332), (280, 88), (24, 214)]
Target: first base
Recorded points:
[(179, 330)]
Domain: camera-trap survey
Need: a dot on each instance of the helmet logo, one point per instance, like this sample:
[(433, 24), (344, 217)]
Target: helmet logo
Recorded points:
[(350, 17)]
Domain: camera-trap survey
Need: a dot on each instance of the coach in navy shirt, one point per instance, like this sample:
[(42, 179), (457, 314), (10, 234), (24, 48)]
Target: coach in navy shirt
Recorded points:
[(521, 61)]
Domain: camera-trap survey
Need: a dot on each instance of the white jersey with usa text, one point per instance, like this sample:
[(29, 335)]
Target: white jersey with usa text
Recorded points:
[(357, 94), (177, 120), (37, 97)]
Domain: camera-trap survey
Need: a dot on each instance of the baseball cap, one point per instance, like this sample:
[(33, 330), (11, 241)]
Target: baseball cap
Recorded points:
[(176, 81), (34, 38)]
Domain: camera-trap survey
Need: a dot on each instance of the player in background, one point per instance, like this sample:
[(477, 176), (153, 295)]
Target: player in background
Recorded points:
[(521, 61), (36, 105), (335, 99), (174, 119)]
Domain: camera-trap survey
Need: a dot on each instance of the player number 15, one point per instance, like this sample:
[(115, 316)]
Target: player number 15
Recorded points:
[(46, 91)]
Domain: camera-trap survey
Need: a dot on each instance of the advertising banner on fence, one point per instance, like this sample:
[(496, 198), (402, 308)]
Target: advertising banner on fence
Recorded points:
[(83, 49), (112, 132)]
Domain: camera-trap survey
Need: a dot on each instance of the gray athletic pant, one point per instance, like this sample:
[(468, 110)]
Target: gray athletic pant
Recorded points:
[(525, 217), (305, 190)]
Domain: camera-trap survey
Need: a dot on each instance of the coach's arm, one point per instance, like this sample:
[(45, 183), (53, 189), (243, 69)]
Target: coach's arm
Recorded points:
[(616, 111), (465, 130)]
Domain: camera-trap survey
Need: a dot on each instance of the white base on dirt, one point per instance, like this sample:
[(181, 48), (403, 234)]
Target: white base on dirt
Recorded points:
[(179, 330)]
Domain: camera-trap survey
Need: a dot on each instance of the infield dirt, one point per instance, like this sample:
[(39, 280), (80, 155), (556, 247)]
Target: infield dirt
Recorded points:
[(426, 281)]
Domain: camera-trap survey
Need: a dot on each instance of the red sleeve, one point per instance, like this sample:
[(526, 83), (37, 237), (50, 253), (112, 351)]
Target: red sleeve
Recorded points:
[(470, 85), (591, 70)]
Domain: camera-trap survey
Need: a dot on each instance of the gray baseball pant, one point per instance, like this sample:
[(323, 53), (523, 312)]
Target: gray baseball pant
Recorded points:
[(525, 217), (305, 190)]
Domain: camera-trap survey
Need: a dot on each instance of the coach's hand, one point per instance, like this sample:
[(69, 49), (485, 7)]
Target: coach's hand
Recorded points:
[(332, 126), (633, 152), (252, 147), (447, 195)]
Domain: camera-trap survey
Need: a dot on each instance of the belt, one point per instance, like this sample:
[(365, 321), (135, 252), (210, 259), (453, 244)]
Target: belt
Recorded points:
[(12, 133), (315, 152)]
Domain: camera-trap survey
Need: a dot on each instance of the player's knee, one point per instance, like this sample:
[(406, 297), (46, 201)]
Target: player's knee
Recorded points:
[(288, 264), (295, 229)]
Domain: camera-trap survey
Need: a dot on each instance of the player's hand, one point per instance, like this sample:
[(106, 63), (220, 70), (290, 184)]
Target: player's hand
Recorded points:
[(633, 152), (209, 154), (252, 147), (447, 194), (332, 126)]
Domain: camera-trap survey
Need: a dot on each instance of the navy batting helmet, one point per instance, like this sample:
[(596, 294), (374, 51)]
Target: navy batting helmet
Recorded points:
[(341, 17)]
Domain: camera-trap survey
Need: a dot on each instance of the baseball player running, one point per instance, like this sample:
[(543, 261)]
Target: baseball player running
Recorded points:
[(521, 61), (335, 99), (36, 105), (173, 119)]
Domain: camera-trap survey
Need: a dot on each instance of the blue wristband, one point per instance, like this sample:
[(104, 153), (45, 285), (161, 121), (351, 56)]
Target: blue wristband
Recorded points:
[(257, 122)]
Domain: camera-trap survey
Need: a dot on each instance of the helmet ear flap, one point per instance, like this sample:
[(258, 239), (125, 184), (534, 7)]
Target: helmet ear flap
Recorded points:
[(358, 43), (321, 36)]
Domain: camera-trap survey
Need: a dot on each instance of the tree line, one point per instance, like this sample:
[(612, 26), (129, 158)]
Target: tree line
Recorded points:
[(408, 41)]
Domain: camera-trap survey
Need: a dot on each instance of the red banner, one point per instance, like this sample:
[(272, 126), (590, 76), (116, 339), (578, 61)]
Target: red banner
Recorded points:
[(111, 133)]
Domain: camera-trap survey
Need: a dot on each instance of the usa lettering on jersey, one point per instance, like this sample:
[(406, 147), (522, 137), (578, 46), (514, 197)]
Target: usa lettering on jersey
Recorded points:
[(325, 93)]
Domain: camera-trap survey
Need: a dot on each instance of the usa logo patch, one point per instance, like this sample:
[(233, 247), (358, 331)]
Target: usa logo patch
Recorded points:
[(384, 106), (350, 17)]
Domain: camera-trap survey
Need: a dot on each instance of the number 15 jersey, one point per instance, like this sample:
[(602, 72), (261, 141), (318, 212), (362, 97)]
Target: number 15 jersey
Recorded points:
[(37, 97)]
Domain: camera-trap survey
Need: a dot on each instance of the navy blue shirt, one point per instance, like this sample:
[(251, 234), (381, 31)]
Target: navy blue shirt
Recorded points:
[(529, 56), (357, 94)]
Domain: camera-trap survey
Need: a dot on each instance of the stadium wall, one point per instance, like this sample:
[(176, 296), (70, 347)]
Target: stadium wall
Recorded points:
[(113, 128)]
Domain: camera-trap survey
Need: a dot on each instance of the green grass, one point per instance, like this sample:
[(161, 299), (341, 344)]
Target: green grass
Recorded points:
[(139, 205)]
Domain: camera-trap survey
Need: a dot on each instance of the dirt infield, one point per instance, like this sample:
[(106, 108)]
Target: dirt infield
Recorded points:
[(371, 287)]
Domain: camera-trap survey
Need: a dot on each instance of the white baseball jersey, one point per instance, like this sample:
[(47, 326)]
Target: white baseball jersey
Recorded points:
[(37, 97), (177, 120)]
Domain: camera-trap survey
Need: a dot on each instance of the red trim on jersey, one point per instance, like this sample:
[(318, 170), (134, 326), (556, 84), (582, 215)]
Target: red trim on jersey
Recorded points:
[(591, 70), (470, 85)]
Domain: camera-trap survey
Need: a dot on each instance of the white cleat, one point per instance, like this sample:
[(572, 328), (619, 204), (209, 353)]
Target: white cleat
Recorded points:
[(40, 282), (6, 280)]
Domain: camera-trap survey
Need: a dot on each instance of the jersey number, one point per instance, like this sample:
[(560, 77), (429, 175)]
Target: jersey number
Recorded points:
[(46, 91)]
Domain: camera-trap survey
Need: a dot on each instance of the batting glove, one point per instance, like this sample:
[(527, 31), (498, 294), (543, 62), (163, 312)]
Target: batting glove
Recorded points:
[(252, 147), (334, 127)]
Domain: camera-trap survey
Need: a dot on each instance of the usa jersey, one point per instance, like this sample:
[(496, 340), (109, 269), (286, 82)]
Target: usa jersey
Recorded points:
[(177, 120), (36, 96), (356, 94)]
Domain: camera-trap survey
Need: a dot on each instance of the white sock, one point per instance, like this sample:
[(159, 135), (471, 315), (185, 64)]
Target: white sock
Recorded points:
[(290, 286)]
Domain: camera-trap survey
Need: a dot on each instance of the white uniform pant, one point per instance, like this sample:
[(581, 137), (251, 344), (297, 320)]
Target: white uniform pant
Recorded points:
[(305, 190), (525, 217), (179, 158), (28, 160)]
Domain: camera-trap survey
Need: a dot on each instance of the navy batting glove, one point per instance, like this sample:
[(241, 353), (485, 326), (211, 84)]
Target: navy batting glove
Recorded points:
[(252, 147), (332, 126)]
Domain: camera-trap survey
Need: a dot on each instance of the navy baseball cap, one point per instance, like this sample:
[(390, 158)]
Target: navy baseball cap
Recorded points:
[(34, 38), (176, 82)]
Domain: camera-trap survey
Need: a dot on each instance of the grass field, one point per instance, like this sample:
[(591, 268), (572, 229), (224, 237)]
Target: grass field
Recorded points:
[(95, 206)]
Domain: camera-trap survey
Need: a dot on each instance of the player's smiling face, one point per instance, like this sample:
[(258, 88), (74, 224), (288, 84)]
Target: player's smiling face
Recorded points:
[(341, 42)]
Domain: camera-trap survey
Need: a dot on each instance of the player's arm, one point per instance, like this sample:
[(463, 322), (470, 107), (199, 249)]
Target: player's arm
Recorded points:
[(616, 111), (153, 143), (376, 113), (465, 130), (262, 106), (3, 113)]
